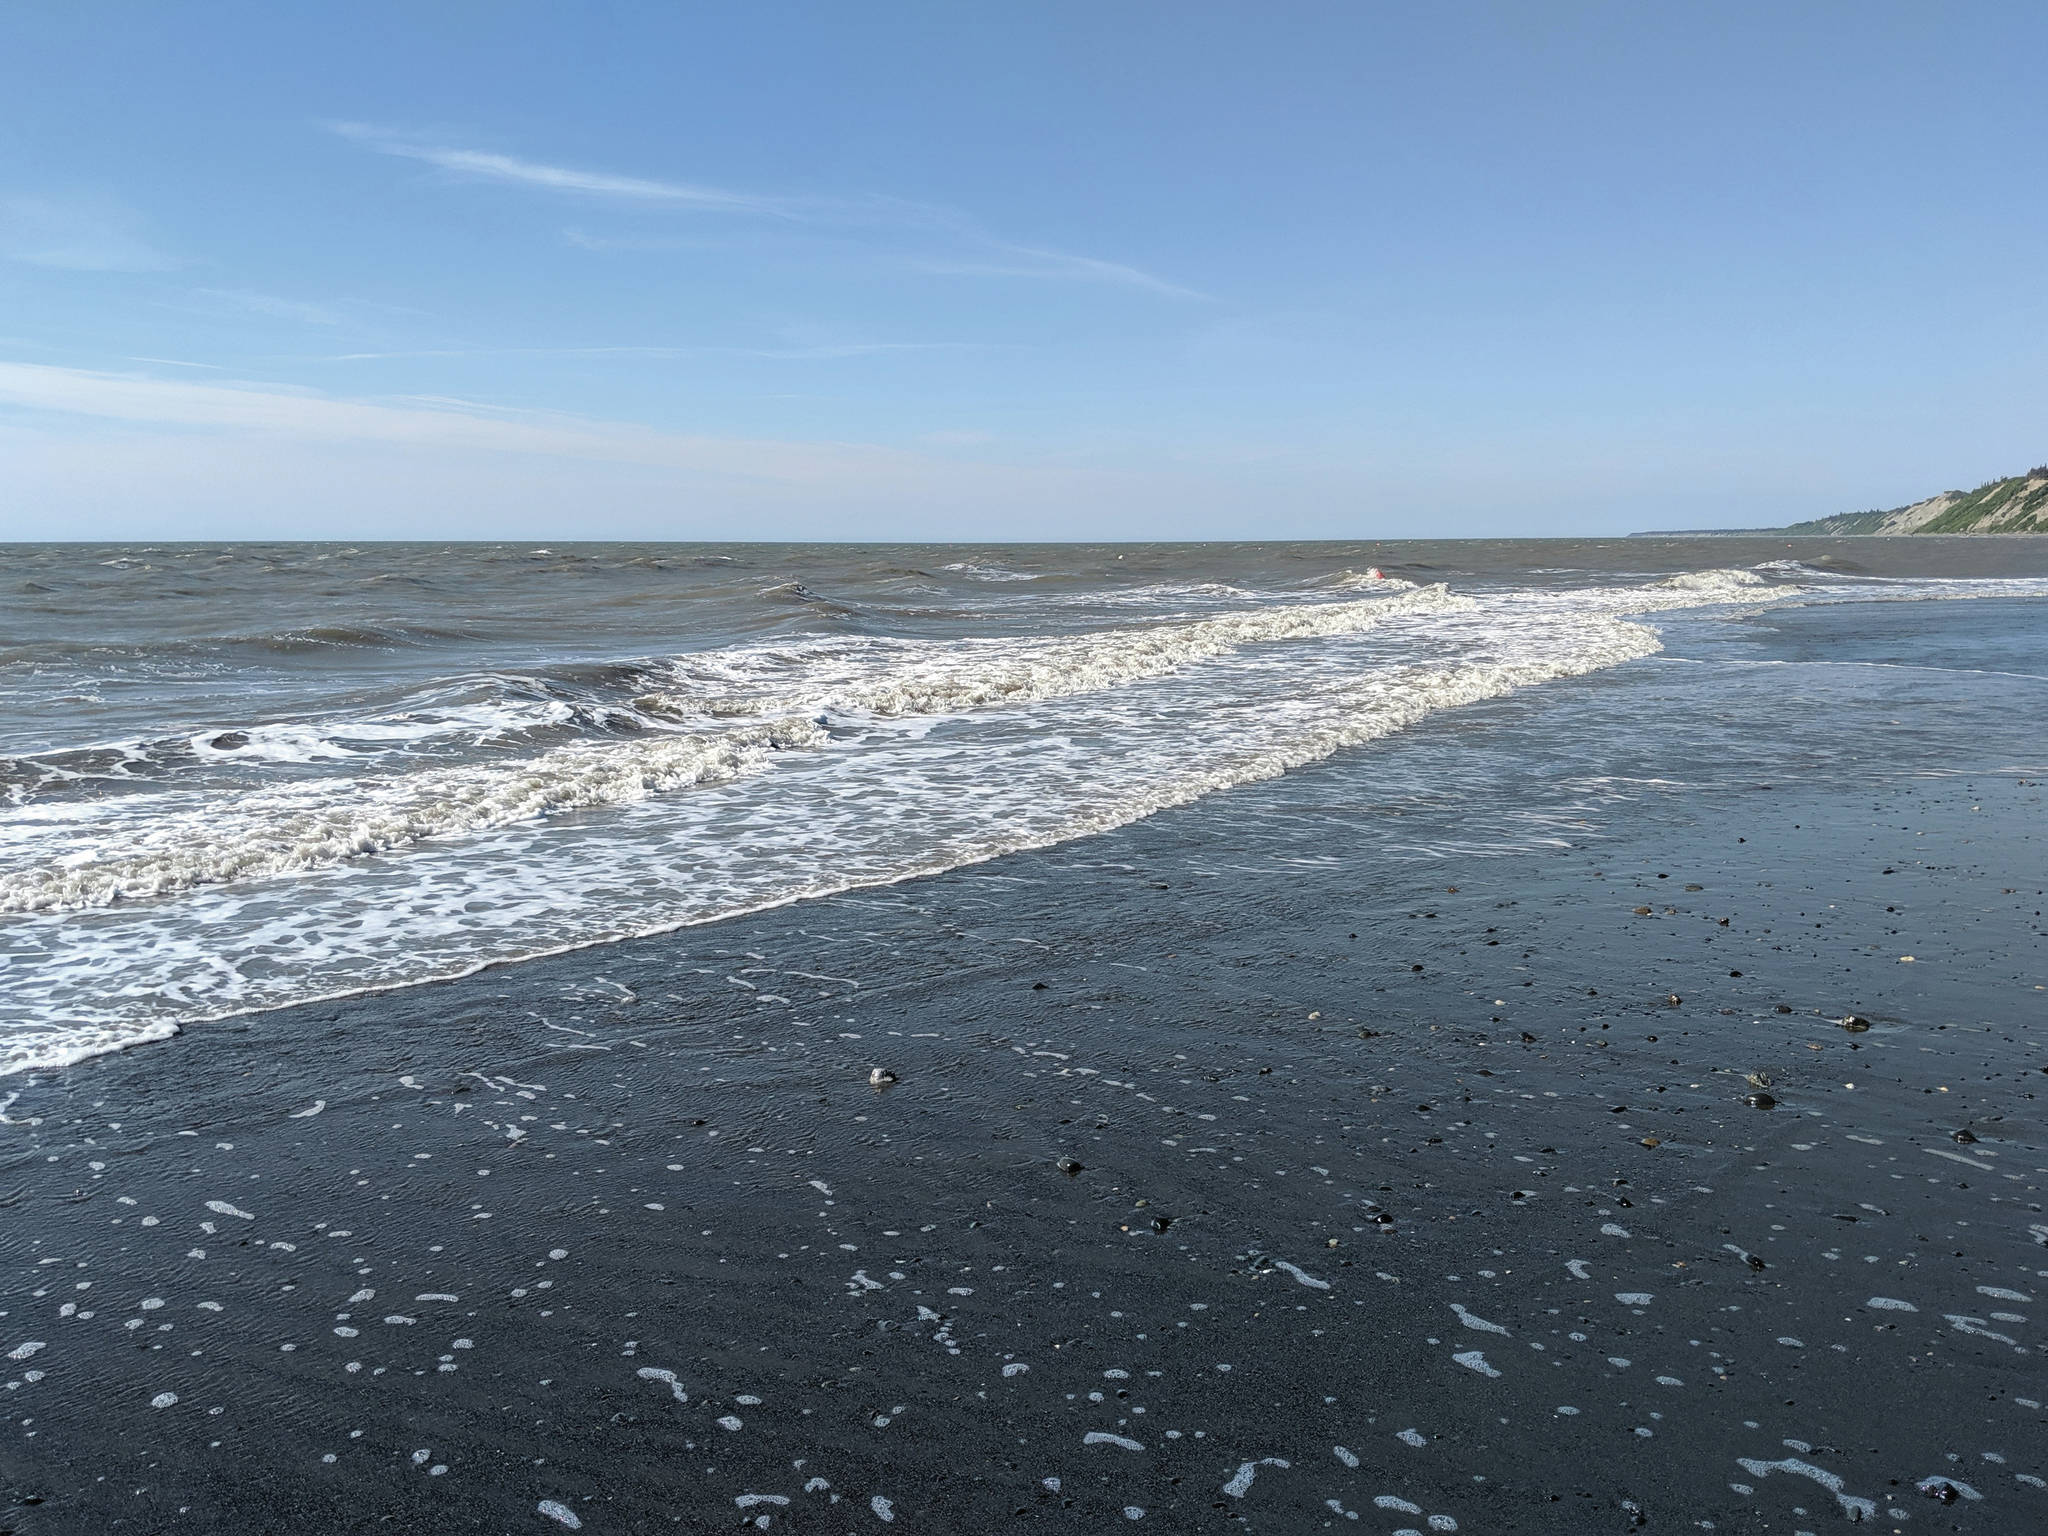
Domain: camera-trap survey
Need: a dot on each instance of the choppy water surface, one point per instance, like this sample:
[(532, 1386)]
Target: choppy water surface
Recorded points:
[(242, 776)]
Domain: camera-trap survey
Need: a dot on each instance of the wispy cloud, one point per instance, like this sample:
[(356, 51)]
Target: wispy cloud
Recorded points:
[(972, 251), (820, 353), (76, 234), (483, 165)]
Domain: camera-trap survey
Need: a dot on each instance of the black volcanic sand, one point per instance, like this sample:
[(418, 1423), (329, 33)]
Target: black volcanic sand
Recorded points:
[(1237, 1176)]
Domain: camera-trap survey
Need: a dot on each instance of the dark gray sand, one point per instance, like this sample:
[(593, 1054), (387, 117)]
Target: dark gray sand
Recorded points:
[(1233, 1176)]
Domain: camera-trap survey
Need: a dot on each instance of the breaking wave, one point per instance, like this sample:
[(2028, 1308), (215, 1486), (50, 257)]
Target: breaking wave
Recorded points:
[(1715, 583), (307, 826), (893, 678)]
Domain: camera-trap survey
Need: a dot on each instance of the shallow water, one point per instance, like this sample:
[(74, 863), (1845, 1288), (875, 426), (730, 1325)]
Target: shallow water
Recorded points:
[(245, 776)]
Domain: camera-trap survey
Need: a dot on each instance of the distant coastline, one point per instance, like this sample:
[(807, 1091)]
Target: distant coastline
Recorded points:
[(2015, 504)]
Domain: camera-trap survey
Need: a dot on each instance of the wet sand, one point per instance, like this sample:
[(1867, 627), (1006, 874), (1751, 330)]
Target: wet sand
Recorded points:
[(1213, 1192)]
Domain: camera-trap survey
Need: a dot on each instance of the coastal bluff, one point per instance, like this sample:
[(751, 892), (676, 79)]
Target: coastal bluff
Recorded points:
[(2014, 504)]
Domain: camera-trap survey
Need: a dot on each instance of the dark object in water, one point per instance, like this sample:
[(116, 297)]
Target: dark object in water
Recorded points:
[(1759, 1101)]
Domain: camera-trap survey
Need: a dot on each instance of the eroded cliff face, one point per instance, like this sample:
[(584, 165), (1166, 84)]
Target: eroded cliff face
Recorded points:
[(2016, 504)]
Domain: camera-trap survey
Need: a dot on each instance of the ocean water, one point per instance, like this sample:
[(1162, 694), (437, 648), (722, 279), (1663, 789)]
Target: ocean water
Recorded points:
[(242, 776)]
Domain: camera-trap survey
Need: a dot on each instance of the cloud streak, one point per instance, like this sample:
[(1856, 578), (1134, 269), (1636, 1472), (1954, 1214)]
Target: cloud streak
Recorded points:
[(976, 252), (821, 353), (509, 170)]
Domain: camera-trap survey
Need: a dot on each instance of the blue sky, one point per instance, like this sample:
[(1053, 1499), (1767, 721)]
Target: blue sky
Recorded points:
[(928, 270)]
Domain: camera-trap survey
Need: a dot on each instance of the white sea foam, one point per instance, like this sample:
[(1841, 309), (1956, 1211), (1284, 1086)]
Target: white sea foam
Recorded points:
[(935, 752), (1474, 1320), (303, 825), (989, 572), (510, 883), (1725, 583), (1240, 1482), (1104, 1437), (1853, 1507), (347, 739), (895, 678), (432, 722), (307, 826)]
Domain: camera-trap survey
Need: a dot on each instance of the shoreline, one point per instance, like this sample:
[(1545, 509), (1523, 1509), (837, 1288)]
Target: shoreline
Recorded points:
[(1179, 1007), (156, 1000)]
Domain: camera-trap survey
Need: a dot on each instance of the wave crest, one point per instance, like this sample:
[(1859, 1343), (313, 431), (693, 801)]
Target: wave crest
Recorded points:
[(1719, 582), (897, 678), (303, 827)]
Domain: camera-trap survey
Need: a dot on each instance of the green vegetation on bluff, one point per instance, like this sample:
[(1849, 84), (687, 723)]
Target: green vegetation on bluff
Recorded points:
[(2015, 504)]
